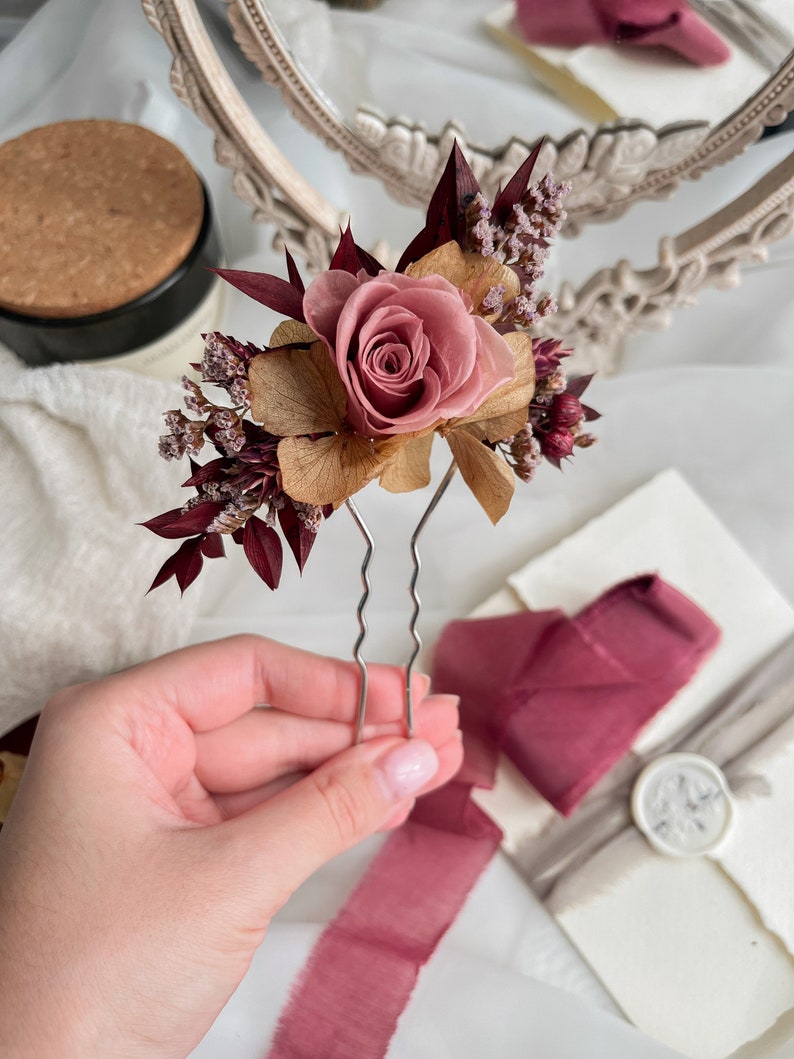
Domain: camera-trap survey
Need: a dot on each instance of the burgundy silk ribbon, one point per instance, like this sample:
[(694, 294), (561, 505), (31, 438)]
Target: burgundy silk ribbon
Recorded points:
[(564, 699), (657, 23)]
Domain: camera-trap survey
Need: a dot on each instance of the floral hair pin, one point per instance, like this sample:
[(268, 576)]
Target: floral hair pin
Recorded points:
[(371, 366)]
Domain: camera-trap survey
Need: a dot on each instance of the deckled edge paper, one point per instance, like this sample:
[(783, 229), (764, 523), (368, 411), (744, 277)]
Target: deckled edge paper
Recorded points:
[(664, 526)]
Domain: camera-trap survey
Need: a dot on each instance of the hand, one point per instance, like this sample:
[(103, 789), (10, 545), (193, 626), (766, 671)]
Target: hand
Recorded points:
[(162, 820)]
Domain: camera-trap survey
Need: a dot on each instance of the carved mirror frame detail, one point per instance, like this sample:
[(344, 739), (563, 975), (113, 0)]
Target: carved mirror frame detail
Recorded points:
[(604, 169), (618, 164)]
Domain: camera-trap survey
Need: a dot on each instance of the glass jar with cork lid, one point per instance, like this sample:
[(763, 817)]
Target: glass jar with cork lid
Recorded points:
[(107, 242)]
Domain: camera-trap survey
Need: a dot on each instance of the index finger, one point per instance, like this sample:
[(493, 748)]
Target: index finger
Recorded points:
[(213, 683)]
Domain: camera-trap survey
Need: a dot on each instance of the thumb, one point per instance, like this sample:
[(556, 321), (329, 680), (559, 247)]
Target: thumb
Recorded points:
[(343, 801)]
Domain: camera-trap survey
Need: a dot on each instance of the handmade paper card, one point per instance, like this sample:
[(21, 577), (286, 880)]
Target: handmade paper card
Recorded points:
[(697, 951)]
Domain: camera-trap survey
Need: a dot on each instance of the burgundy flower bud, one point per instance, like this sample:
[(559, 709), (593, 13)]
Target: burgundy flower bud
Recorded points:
[(566, 410), (557, 444)]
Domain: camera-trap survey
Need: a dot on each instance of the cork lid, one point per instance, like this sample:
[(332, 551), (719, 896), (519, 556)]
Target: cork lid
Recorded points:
[(93, 214)]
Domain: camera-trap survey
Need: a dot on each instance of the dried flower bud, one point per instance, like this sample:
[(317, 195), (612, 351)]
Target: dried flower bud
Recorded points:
[(195, 401), (566, 410), (526, 454), (584, 441), (492, 302), (547, 353), (557, 444)]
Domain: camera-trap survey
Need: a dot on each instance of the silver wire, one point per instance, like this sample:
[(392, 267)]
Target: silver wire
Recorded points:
[(362, 621), (412, 627)]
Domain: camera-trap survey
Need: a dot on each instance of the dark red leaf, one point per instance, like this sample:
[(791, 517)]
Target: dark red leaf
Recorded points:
[(271, 291), (178, 523), (263, 550), (370, 264), (298, 536), (590, 413), (578, 385), (185, 565), (294, 276), (189, 563), (516, 186), (202, 474), (212, 546), (237, 536), (446, 212), (345, 256)]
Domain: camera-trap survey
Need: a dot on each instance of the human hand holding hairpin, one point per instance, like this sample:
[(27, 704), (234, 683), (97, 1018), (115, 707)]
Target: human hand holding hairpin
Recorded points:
[(163, 820)]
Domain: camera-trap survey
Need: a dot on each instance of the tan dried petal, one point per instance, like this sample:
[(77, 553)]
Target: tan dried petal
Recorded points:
[(292, 332), (11, 768), (410, 467), (329, 470), (497, 428), (471, 273), (484, 472), (297, 391), (505, 412)]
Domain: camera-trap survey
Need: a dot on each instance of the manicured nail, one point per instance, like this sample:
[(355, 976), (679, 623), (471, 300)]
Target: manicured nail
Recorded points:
[(408, 768), (421, 685)]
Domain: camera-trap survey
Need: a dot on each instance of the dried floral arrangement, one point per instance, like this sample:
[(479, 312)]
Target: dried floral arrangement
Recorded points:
[(368, 368)]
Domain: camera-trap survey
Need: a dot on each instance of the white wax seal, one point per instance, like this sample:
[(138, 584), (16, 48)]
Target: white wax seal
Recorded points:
[(682, 804)]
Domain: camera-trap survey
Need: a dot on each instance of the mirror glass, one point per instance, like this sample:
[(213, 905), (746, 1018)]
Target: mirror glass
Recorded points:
[(470, 61)]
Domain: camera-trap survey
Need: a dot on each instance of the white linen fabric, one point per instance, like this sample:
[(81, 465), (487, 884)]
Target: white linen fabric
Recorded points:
[(505, 982), (78, 469)]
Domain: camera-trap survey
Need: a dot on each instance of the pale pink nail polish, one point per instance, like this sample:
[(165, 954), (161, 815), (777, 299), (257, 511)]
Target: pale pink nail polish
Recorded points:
[(406, 769)]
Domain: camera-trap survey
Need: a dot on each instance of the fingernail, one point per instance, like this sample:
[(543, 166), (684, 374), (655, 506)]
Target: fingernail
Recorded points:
[(408, 768), (423, 680), (442, 698)]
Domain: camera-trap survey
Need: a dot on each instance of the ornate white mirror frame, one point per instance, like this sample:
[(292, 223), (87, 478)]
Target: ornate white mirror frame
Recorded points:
[(619, 164)]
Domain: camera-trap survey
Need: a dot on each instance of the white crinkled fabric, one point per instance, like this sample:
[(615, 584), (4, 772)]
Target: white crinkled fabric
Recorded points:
[(78, 469)]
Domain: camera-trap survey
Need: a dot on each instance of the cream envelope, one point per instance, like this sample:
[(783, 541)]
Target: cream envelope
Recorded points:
[(696, 952)]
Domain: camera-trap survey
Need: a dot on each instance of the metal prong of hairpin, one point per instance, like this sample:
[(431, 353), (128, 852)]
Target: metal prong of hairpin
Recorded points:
[(412, 627), (362, 621)]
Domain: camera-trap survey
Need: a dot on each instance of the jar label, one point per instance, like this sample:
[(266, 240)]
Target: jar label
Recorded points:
[(170, 357)]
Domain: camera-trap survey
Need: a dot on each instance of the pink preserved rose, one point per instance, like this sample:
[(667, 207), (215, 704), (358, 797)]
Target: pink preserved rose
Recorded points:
[(409, 351)]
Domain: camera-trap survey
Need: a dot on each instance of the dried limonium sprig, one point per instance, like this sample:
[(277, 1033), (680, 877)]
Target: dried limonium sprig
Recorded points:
[(368, 368)]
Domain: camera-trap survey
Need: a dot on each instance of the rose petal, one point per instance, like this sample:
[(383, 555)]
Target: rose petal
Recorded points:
[(324, 300)]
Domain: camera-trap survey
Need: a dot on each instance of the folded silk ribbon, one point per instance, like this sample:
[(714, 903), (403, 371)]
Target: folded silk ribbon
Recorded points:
[(565, 698), (663, 23), (573, 859)]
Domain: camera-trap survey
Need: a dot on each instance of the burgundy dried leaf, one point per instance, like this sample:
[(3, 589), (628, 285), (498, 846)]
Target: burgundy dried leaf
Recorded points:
[(271, 291), (178, 523), (370, 264), (263, 550), (212, 546), (298, 536), (237, 536), (446, 212), (590, 413), (185, 565), (515, 189), (578, 385), (345, 256), (189, 563), (293, 273), (203, 474)]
